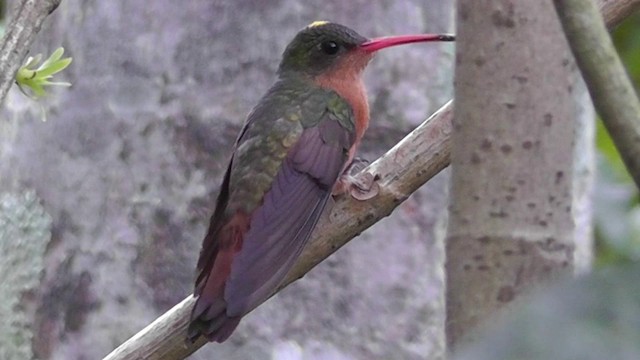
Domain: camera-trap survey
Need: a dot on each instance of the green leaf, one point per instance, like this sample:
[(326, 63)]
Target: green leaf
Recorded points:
[(54, 67), (32, 61), (32, 80), (55, 56)]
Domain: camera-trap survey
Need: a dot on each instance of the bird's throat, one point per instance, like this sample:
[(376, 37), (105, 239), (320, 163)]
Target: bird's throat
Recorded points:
[(349, 85)]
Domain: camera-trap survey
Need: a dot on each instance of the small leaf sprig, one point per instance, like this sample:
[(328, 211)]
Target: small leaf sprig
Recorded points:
[(35, 79)]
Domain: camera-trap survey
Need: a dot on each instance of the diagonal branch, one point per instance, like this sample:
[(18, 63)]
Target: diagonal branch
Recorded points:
[(20, 34), (611, 90), (406, 167)]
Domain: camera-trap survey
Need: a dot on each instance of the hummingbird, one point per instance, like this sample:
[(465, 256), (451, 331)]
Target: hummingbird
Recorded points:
[(291, 156)]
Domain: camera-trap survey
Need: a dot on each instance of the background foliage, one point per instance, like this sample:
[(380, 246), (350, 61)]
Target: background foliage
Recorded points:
[(617, 205)]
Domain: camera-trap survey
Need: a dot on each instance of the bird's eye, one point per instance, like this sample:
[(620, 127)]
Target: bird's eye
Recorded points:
[(330, 47)]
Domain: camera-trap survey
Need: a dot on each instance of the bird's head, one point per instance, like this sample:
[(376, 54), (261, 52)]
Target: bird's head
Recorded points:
[(324, 47)]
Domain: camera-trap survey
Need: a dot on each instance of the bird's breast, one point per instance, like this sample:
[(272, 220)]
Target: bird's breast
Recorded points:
[(351, 88)]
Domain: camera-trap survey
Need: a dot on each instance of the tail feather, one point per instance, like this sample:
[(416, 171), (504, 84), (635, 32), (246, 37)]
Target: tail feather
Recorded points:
[(209, 316), (223, 328), (218, 329)]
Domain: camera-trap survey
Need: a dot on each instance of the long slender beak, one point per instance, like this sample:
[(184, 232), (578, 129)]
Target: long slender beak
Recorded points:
[(384, 42)]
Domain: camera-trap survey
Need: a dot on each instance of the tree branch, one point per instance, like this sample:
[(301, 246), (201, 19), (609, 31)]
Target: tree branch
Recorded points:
[(611, 90), (614, 11), (19, 36), (406, 167)]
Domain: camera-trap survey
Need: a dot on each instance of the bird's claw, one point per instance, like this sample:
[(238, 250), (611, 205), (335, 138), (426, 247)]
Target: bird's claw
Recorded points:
[(363, 187), (358, 164)]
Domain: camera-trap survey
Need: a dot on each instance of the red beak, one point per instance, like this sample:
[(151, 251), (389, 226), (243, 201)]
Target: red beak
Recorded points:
[(383, 42)]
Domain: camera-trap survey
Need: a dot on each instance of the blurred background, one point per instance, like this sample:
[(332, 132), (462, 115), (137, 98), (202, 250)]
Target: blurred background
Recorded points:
[(124, 171)]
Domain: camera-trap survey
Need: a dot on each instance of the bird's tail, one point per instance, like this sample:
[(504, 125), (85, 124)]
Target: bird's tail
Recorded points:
[(209, 316), (217, 329)]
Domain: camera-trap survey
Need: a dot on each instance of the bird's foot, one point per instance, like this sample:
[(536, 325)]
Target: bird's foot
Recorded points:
[(363, 187), (357, 164)]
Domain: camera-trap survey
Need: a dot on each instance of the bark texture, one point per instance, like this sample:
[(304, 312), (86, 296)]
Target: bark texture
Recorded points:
[(129, 160), (512, 222)]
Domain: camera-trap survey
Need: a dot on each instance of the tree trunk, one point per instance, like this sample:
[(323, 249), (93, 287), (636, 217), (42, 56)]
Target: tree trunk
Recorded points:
[(130, 158), (518, 186)]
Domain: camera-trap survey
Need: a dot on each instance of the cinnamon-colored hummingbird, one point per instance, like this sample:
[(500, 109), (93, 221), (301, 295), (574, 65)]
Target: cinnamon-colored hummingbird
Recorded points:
[(290, 156)]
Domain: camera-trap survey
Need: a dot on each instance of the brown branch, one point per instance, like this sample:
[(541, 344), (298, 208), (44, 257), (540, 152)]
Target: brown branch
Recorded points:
[(407, 166), (19, 36), (611, 89), (614, 11)]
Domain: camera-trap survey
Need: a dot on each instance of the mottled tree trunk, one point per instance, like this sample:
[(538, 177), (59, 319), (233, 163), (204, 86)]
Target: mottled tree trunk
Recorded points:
[(129, 161), (519, 185)]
